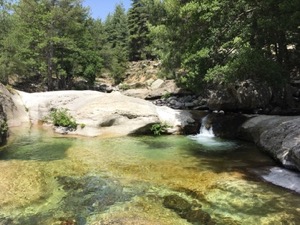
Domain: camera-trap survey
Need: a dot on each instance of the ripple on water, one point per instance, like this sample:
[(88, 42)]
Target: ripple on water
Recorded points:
[(127, 181)]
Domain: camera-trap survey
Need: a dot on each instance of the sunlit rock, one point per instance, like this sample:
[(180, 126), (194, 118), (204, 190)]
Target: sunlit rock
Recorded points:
[(104, 114)]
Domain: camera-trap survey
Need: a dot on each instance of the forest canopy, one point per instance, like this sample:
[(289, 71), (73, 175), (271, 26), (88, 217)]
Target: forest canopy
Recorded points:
[(199, 42)]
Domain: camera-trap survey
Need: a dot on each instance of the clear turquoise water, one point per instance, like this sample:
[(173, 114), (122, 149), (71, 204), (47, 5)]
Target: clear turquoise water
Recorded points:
[(51, 179)]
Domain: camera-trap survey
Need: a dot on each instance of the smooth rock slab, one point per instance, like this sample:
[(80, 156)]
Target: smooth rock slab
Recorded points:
[(279, 136), (280, 177), (105, 114)]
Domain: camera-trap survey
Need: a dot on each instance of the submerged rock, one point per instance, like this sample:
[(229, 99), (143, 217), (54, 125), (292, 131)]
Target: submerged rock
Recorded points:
[(250, 203), (90, 194), (176, 203), (186, 210)]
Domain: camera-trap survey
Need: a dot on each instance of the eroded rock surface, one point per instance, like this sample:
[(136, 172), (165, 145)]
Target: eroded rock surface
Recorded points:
[(278, 136), (105, 114)]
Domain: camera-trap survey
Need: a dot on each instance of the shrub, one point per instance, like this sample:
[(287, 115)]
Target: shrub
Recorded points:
[(166, 95), (3, 127), (61, 117), (159, 128)]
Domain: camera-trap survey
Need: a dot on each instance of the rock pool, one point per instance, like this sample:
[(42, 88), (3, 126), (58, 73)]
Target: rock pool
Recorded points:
[(168, 180)]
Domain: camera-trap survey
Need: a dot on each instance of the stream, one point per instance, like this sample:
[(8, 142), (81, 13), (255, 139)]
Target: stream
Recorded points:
[(169, 180)]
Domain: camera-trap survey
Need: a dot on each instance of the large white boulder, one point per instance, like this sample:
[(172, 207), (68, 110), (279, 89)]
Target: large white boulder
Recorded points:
[(104, 114)]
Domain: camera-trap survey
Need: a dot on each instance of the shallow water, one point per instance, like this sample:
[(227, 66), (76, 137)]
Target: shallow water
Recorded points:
[(51, 179)]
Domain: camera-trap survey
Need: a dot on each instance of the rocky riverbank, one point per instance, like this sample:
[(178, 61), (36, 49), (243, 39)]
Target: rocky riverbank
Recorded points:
[(278, 136), (97, 113), (114, 114)]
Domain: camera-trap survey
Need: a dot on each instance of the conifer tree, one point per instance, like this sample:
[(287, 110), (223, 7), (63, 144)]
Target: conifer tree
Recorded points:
[(138, 31), (115, 50)]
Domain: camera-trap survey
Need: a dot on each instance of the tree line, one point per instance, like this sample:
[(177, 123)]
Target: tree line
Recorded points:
[(199, 42)]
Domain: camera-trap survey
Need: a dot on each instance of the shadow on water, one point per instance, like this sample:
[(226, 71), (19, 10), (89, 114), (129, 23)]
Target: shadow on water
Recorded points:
[(156, 143), (224, 155), (36, 148)]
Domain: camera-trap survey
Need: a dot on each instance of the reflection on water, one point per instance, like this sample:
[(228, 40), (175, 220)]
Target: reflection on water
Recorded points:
[(138, 180)]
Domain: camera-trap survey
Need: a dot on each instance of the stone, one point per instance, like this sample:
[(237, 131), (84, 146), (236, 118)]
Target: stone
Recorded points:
[(280, 177), (157, 84), (13, 108), (246, 95), (279, 136), (226, 125), (189, 104), (137, 93), (102, 114), (189, 211), (199, 216), (176, 203)]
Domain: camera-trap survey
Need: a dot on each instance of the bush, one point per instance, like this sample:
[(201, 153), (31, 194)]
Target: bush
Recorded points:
[(159, 128), (61, 117), (3, 127)]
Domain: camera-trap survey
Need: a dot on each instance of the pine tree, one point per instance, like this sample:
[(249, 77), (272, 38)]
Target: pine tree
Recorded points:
[(53, 39), (138, 31), (115, 50)]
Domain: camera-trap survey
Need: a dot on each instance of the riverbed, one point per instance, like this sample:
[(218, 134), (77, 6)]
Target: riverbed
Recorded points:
[(47, 178)]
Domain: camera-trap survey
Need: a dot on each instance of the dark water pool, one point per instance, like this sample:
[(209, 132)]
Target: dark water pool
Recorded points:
[(48, 179)]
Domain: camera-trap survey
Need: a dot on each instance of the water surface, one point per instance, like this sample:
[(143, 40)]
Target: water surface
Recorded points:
[(51, 179)]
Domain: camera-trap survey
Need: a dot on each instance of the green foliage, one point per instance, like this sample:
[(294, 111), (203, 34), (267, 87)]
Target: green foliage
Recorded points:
[(124, 86), (3, 127), (138, 18), (61, 117), (199, 42), (166, 95), (115, 48), (52, 39), (159, 128), (203, 42), (249, 64)]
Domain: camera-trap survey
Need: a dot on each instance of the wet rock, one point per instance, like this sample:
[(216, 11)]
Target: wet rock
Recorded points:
[(3, 126), (64, 221), (198, 216), (176, 203), (226, 125), (189, 211), (90, 193), (277, 135), (280, 177)]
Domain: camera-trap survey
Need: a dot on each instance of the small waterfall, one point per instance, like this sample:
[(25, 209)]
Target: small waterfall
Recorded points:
[(208, 140), (204, 131)]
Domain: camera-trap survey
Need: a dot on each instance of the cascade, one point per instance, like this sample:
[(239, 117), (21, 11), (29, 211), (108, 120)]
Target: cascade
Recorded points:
[(204, 131), (207, 138)]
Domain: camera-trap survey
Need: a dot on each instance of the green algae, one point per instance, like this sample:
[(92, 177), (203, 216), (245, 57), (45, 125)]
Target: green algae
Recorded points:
[(49, 179)]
